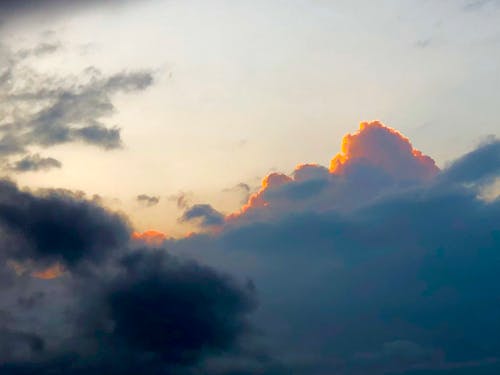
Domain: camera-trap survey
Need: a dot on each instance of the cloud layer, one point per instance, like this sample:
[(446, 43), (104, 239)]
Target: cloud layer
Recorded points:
[(381, 265)]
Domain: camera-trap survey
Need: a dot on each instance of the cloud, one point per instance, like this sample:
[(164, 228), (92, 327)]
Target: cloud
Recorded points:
[(155, 314), (182, 199), (481, 165), (157, 295), (33, 163), (473, 5), (404, 280), (42, 49), (150, 237), (148, 200), (363, 270), (373, 161), (44, 227), (52, 272), (78, 297), (377, 145), (206, 215), (13, 8), (39, 110)]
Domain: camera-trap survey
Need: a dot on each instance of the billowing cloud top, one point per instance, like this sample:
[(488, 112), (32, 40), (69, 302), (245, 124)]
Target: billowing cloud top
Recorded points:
[(372, 160), (375, 144)]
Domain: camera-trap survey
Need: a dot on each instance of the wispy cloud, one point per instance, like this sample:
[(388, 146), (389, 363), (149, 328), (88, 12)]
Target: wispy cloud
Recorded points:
[(43, 110)]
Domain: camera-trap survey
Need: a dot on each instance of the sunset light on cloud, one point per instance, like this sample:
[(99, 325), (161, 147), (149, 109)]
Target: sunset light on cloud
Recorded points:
[(150, 237), (186, 187), (50, 273), (375, 145)]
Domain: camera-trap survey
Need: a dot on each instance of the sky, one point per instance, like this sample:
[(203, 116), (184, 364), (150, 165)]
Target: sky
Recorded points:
[(261, 187)]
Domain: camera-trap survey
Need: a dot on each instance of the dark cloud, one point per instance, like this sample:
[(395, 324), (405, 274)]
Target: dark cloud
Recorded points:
[(33, 163), (405, 282), (41, 110), (157, 294), (57, 225), (148, 200), (129, 310), (13, 8), (154, 314), (205, 214), (480, 165)]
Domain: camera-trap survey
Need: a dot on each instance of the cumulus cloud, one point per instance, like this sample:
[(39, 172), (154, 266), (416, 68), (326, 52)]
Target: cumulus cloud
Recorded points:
[(148, 200), (401, 277), (373, 161), (379, 146)]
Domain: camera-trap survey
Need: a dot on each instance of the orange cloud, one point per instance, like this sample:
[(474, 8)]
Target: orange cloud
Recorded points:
[(271, 181), (50, 273), (150, 237), (383, 147), (373, 144)]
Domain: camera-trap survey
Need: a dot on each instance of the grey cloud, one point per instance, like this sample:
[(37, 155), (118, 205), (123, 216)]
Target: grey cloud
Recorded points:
[(404, 283), (60, 109), (182, 199), (423, 43), (100, 136), (472, 5), (148, 200), (480, 165), (39, 50), (33, 163), (13, 8), (206, 214), (43, 227), (119, 309)]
